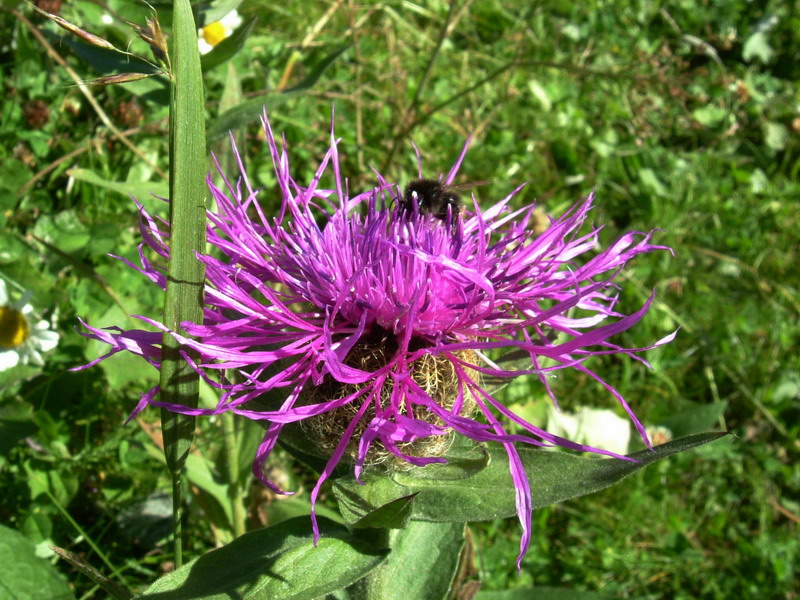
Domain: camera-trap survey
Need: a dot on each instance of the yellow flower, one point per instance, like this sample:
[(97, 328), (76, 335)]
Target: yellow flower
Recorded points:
[(21, 339), (213, 33)]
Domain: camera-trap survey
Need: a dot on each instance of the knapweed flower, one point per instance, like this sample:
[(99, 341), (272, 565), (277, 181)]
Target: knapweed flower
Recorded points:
[(380, 327), (213, 33), (22, 339)]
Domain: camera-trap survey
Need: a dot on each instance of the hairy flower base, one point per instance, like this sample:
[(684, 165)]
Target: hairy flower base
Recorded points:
[(436, 375), (372, 324)]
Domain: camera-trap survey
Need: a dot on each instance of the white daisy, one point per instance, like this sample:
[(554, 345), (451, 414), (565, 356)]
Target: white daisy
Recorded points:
[(213, 33), (22, 340)]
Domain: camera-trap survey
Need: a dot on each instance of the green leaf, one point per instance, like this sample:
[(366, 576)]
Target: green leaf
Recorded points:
[(422, 563), (540, 93), (245, 113), (464, 458), (187, 193), (141, 191), (38, 528), (26, 576), (147, 522), (16, 423), (11, 247), (218, 9), (651, 181), (759, 182), (541, 593), (394, 515), (61, 485), (710, 115), (39, 141), (251, 110), (108, 61), (63, 230), (228, 47), (776, 135), (289, 507), (276, 563), (124, 369), (200, 472), (757, 46), (319, 69), (13, 175), (694, 418), (489, 493)]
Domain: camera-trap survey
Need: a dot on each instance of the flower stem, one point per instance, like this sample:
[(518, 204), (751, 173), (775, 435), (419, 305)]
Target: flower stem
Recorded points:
[(234, 484)]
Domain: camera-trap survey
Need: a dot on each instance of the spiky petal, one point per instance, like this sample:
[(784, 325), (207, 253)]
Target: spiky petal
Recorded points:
[(289, 297)]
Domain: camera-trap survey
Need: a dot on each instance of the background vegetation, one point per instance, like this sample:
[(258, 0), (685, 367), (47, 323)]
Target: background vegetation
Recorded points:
[(683, 116)]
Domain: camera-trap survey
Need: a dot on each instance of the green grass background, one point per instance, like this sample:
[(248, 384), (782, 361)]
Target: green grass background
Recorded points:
[(682, 116)]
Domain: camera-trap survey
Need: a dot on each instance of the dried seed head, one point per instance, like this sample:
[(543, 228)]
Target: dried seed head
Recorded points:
[(51, 6), (129, 114), (37, 113)]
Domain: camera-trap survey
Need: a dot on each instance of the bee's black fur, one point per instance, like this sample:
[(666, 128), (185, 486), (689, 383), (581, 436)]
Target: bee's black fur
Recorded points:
[(432, 198)]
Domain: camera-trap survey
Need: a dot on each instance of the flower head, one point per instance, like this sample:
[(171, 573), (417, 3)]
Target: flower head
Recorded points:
[(22, 339), (213, 33), (384, 325)]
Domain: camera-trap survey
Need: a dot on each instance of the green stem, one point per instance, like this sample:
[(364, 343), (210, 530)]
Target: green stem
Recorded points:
[(234, 487), (177, 517)]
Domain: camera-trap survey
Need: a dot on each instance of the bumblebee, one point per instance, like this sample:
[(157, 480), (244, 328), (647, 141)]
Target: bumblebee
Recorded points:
[(432, 197)]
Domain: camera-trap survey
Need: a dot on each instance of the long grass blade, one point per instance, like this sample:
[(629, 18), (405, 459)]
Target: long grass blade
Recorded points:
[(184, 297)]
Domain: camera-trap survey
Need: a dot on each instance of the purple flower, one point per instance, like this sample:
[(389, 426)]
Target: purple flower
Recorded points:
[(382, 326)]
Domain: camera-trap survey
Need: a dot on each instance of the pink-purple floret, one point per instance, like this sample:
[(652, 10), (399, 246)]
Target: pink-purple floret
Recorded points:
[(305, 286)]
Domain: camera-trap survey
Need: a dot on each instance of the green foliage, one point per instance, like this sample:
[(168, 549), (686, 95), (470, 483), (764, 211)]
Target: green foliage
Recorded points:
[(179, 383), (223, 51), (540, 593), (274, 563), (26, 576), (434, 550), (446, 492), (682, 116)]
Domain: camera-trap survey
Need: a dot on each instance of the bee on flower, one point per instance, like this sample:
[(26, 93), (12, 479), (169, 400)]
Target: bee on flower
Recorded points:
[(23, 338), (382, 331)]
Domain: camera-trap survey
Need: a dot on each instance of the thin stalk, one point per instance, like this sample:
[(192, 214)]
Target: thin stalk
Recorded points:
[(234, 488)]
